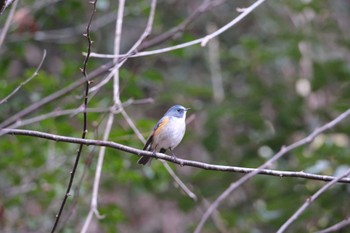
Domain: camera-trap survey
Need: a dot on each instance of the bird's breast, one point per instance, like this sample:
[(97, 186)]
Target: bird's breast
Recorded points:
[(171, 134)]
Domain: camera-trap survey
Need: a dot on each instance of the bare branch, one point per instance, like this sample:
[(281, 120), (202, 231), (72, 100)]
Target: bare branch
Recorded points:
[(179, 161), (117, 39), (84, 131), (8, 20), (74, 202), (282, 152), (101, 154), (62, 35), (203, 41), (205, 6), (213, 57), (26, 81), (63, 112), (336, 227), (179, 181), (108, 128), (310, 200)]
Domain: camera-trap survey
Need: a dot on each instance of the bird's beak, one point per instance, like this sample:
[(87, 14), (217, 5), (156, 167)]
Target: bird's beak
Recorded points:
[(187, 109)]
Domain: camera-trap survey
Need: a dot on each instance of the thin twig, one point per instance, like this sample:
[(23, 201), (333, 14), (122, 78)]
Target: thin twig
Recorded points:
[(282, 152), (27, 80), (203, 41), (61, 112), (50, 98), (310, 200), (336, 227), (8, 22), (72, 207), (213, 57), (108, 128), (61, 35), (117, 39), (179, 181), (205, 6), (84, 131), (190, 163), (93, 206)]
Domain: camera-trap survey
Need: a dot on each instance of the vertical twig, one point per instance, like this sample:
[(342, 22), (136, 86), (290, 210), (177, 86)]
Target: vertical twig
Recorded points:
[(117, 103), (117, 39), (214, 65), (93, 207), (8, 22), (87, 84)]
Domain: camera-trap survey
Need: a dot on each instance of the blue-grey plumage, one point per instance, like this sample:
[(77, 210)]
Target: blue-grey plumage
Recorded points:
[(167, 133)]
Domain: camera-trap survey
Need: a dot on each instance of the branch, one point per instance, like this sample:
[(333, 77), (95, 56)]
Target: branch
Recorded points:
[(203, 41), (213, 57), (74, 203), (108, 128), (84, 131), (117, 39), (336, 227), (310, 200), (205, 6), (162, 156), (93, 206), (75, 111), (58, 113), (282, 152), (8, 20), (27, 80), (60, 35)]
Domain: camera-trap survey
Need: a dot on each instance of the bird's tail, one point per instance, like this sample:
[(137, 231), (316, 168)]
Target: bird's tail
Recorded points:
[(144, 160), (147, 159)]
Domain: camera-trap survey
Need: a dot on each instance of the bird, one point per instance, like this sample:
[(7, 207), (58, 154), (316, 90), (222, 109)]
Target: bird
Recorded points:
[(167, 133)]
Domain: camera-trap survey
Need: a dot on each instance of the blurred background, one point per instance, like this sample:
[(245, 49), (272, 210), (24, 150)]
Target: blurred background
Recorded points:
[(267, 82)]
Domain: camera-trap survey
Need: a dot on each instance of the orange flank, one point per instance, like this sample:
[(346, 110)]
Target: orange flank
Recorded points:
[(160, 125)]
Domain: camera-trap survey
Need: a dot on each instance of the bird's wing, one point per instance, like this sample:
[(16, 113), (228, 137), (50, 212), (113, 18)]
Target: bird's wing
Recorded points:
[(161, 123), (156, 130), (148, 142)]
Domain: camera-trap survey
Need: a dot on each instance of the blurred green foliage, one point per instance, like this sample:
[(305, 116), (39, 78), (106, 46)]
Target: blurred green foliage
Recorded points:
[(285, 71)]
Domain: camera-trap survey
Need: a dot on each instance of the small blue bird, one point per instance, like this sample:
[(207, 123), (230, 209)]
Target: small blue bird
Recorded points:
[(167, 133)]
